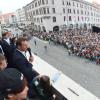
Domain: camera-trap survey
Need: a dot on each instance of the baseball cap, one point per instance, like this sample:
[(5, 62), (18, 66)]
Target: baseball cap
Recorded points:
[(10, 81)]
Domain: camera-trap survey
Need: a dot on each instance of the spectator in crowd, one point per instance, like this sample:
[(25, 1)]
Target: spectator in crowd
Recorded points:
[(3, 62), (79, 42), (13, 85)]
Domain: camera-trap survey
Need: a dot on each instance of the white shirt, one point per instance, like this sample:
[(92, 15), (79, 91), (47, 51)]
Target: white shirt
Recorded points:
[(25, 53), (7, 40)]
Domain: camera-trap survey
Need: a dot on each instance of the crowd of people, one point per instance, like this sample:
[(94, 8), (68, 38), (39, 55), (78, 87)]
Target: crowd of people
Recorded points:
[(18, 79), (81, 43)]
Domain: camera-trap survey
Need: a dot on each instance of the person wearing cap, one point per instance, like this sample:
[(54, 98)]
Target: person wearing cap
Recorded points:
[(13, 85), (3, 62)]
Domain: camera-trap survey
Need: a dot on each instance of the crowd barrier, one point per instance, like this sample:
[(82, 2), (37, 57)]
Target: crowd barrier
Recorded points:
[(64, 87)]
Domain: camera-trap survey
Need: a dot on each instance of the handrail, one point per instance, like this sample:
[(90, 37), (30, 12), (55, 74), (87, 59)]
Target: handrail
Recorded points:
[(66, 87)]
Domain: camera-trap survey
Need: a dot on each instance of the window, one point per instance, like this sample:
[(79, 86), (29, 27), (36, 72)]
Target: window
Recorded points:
[(40, 11), (53, 10), (40, 2), (69, 4), (54, 19), (48, 10), (77, 4), (63, 3), (33, 12), (73, 4), (36, 4), (53, 2), (82, 5), (77, 11), (78, 18), (81, 12), (43, 2), (37, 13), (82, 18), (63, 10), (85, 12), (32, 5), (70, 18), (69, 10), (46, 1), (41, 20), (74, 11), (64, 18), (44, 10)]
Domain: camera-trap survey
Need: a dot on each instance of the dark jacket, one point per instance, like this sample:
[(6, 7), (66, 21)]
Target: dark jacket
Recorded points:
[(8, 51), (23, 65)]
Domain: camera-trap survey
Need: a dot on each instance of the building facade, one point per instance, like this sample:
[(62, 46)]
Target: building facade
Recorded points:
[(50, 15), (7, 19), (20, 16)]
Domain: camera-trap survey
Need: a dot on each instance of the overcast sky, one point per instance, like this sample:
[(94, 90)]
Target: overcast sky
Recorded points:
[(12, 5)]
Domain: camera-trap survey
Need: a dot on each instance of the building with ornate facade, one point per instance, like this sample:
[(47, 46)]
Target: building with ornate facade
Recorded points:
[(49, 15), (20, 16)]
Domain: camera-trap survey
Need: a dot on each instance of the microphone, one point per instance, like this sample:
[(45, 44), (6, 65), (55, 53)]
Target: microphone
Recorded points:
[(29, 50)]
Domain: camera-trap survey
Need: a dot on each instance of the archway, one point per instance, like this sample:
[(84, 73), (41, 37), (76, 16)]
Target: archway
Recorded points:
[(43, 28), (56, 28)]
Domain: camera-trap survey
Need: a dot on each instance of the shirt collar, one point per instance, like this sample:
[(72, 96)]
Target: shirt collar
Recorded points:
[(7, 40), (23, 52)]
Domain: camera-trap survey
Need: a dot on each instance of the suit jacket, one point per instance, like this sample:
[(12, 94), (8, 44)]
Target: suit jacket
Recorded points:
[(8, 51), (23, 65), (1, 50)]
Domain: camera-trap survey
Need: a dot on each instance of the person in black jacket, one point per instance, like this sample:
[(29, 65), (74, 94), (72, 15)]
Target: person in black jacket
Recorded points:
[(7, 47), (21, 60)]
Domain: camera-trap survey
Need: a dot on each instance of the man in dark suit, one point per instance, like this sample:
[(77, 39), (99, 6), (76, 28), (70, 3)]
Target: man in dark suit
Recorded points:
[(7, 47), (1, 50), (21, 60)]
